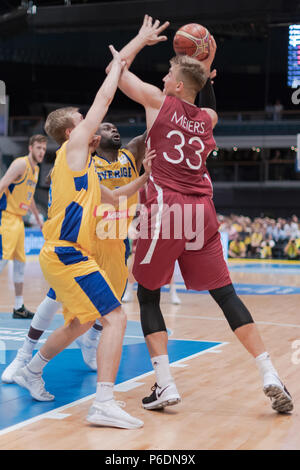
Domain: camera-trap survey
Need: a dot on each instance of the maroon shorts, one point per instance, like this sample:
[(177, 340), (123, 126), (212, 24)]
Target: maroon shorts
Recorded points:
[(181, 227)]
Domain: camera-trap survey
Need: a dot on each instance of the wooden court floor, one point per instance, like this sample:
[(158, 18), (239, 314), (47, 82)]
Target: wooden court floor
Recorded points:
[(223, 406)]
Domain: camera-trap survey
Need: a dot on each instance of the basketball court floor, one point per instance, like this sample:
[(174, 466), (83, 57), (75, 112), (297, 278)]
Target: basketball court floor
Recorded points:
[(223, 406)]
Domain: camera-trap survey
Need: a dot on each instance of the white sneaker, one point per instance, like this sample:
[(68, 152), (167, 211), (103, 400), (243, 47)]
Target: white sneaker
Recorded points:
[(110, 413), (34, 383), (161, 397), (89, 350), (21, 360), (174, 298), (278, 394)]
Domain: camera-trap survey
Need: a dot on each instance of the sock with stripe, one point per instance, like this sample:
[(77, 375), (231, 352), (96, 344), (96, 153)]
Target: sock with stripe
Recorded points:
[(105, 391), (37, 364), (28, 345)]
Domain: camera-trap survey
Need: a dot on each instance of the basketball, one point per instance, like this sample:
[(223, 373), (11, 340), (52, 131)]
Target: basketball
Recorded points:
[(192, 39)]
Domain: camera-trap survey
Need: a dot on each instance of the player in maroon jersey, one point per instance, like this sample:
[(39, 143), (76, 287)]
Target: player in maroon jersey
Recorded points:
[(180, 221)]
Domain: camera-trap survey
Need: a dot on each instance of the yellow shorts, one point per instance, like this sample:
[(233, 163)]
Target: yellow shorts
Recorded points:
[(110, 256), (12, 237), (79, 284)]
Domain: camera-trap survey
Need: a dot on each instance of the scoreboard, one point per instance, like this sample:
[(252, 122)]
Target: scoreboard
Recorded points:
[(294, 56)]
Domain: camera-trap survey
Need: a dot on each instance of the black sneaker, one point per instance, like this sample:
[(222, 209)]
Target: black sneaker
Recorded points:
[(22, 312), (161, 397)]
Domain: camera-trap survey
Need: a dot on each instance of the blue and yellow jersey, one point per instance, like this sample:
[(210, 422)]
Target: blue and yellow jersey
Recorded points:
[(73, 199), (17, 198), (114, 175)]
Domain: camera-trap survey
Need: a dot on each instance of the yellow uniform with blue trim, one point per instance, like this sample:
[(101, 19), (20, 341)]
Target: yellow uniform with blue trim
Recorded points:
[(112, 223), (67, 257), (14, 204)]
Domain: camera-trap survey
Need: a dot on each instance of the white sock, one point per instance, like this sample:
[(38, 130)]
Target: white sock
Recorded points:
[(28, 345), (105, 391), (37, 363), (18, 301), (265, 365), (162, 370)]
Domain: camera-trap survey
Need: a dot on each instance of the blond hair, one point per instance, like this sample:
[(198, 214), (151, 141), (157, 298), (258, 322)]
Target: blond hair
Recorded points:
[(191, 72), (37, 138), (58, 122)]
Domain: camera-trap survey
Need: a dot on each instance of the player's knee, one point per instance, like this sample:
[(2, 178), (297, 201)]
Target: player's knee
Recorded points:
[(234, 309), (45, 314), (18, 272), (152, 320), (75, 328), (116, 319)]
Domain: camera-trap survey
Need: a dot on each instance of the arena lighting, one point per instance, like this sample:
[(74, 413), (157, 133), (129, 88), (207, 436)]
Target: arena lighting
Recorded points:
[(294, 56)]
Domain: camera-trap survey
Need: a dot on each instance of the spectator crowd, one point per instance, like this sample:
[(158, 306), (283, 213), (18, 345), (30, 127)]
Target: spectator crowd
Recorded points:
[(262, 237)]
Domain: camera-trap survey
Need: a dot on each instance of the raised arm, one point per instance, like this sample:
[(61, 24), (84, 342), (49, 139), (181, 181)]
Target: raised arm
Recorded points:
[(148, 35), (143, 93), (147, 95), (81, 136), (137, 147), (14, 172), (207, 99)]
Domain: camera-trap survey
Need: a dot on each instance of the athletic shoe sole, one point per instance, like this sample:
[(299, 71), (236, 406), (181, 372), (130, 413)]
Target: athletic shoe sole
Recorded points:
[(281, 400), (6, 380), (114, 424), (19, 380), (157, 406), (22, 317)]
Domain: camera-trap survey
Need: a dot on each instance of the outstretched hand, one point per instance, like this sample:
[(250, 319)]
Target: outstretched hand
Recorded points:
[(147, 162), (150, 32), (117, 57)]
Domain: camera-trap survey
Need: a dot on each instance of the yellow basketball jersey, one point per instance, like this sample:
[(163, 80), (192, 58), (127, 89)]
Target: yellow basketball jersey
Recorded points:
[(73, 199), (114, 175), (18, 196)]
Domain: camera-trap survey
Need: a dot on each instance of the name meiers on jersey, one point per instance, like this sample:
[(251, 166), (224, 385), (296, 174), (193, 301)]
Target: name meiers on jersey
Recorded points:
[(192, 126)]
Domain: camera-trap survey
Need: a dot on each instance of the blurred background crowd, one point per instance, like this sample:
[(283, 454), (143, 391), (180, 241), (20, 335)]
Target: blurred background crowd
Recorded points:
[(262, 237)]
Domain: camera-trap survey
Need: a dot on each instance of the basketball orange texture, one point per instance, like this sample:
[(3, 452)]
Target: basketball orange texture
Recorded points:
[(192, 39)]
